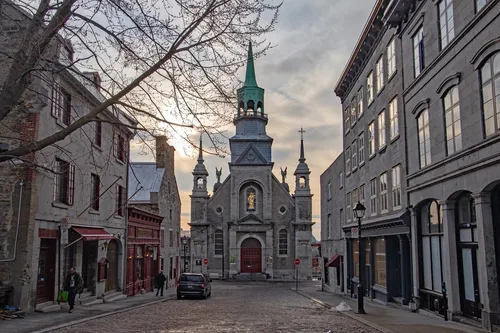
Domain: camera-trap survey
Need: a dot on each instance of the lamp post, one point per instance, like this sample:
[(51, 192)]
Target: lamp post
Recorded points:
[(359, 212), (184, 247)]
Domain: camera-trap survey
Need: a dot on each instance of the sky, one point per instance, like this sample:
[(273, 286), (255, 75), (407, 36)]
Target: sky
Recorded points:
[(313, 41)]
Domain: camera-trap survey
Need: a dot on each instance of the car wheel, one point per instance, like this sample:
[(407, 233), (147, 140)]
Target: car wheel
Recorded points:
[(205, 295)]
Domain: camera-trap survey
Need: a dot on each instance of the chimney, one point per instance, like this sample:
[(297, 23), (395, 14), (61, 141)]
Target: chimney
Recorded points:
[(164, 154)]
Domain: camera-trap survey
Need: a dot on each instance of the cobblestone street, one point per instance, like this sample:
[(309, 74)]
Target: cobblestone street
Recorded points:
[(246, 307)]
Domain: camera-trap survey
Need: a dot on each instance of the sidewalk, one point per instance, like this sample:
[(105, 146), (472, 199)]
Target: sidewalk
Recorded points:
[(46, 322), (385, 318)]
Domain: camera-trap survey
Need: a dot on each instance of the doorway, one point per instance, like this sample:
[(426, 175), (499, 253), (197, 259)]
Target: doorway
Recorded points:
[(112, 256), (46, 271), (251, 256), (89, 266)]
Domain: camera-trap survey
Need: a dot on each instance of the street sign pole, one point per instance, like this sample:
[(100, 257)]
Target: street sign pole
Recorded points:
[(297, 263)]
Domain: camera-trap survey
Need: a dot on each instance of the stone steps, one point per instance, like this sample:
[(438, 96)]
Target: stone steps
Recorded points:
[(48, 307), (114, 296)]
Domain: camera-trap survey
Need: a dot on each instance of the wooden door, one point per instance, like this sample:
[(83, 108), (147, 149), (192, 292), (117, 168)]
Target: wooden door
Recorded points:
[(112, 256), (251, 256), (46, 271)]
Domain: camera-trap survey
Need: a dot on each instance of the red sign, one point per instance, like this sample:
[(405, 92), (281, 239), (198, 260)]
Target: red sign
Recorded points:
[(205, 261), (297, 261)]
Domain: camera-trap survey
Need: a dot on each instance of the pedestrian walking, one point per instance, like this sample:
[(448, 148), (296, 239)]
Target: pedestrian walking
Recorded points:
[(72, 284), (160, 281)]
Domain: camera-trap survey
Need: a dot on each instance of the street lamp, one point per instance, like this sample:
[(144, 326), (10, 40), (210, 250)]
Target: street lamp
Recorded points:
[(359, 212), (184, 245)]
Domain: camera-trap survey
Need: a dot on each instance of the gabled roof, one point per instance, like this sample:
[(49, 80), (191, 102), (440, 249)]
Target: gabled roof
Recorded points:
[(147, 176), (251, 156)]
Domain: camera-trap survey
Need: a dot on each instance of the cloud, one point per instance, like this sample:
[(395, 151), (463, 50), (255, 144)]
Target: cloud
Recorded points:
[(313, 42)]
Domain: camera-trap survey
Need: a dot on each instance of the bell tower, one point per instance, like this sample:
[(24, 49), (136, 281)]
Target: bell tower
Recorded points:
[(199, 194)]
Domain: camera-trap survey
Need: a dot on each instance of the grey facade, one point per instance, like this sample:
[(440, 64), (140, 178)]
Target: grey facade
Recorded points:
[(251, 225), (371, 90), (334, 270), (76, 181), (452, 108)]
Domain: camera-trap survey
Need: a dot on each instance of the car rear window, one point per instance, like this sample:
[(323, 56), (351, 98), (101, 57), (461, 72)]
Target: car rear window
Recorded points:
[(191, 278)]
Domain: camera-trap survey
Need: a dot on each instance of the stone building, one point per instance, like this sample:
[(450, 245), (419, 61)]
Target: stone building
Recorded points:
[(153, 188), (371, 92), (451, 67), (251, 224), (334, 266), (78, 185)]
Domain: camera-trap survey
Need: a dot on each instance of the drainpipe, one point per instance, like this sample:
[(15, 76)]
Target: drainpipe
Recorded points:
[(18, 222)]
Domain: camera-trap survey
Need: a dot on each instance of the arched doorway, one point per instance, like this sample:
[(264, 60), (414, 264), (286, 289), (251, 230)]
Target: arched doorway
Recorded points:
[(112, 256), (467, 248), (251, 256)]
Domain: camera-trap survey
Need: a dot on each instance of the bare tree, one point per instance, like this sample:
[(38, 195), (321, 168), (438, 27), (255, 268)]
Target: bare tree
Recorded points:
[(168, 63)]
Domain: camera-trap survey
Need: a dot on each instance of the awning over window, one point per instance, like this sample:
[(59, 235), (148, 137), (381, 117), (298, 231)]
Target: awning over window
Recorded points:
[(334, 262), (93, 234)]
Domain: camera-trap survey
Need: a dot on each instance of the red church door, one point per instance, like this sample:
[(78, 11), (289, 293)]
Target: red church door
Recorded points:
[(251, 256)]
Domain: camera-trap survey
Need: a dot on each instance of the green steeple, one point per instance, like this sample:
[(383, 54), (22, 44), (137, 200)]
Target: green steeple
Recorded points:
[(250, 80)]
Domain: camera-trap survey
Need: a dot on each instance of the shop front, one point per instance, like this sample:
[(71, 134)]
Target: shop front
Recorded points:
[(143, 250)]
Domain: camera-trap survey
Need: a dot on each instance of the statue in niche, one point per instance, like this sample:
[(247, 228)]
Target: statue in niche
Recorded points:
[(283, 174), (218, 173), (251, 200)]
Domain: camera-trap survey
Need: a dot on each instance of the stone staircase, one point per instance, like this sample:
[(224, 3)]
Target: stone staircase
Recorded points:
[(114, 296)]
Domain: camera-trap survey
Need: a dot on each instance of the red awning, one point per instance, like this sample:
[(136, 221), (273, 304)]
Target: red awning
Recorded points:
[(93, 234), (334, 262)]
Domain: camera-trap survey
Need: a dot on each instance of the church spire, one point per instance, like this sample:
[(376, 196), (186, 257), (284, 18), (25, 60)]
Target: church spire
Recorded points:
[(302, 159), (250, 80), (200, 153)]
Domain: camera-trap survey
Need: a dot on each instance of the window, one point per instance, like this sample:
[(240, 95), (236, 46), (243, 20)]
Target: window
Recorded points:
[(490, 82), (341, 178), (418, 51), (379, 261), (283, 242), (348, 160), (354, 114), (381, 130), (219, 242), (119, 145), (200, 183), (361, 148), (452, 120), (396, 186), (360, 102), (369, 88), (355, 255), (329, 191), (446, 26), (431, 226), (347, 119), (61, 104), (95, 188), (120, 200), (371, 139), (329, 226), (64, 182), (354, 199), (391, 58), (170, 214), (380, 73), (424, 139), (98, 134), (480, 4), (394, 117), (361, 194), (354, 157), (348, 206), (383, 192), (171, 238), (373, 196)]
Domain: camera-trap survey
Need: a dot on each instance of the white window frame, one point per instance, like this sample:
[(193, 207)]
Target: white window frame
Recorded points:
[(369, 88), (380, 73), (373, 196), (480, 4), (424, 140), (360, 102), (491, 109), (361, 194), (361, 149), (391, 58), (446, 23), (354, 155), (382, 134), (384, 199), (418, 51), (394, 117), (348, 161), (348, 206), (371, 139), (329, 191), (453, 126), (396, 187), (354, 115), (347, 119)]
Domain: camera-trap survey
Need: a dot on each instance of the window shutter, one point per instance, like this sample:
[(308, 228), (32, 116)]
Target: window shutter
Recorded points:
[(71, 188), (56, 92)]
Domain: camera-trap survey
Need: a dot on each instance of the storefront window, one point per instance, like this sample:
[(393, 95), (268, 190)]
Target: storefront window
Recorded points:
[(355, 251), (431, 243), (139, 262), (380, 265)]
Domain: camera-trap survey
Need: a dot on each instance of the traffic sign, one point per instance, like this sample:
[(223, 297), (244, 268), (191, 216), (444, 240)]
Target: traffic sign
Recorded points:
[(297, 261), (355, 232), (205, 261)]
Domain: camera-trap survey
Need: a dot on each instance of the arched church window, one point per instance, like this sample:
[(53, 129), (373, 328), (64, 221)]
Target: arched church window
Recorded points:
[(219, 242), (302, 182), (242, 108), (251, 199), (199, 183), (259, 107), (283, 242), (250, 106)]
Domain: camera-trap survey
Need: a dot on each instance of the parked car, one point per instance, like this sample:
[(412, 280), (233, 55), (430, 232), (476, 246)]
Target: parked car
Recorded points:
[(194, 284)]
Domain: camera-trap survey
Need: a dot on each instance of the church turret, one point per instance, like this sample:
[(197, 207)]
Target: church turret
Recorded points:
[(302, 186), (199, 195), (250, 144)]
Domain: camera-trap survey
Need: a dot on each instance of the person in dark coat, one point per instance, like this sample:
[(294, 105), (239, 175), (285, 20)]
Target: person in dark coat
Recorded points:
[(72, 283), (160, 281)]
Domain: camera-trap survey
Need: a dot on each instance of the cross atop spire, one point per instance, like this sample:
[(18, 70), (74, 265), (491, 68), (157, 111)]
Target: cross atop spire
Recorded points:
[(250, 79), (302, 133)]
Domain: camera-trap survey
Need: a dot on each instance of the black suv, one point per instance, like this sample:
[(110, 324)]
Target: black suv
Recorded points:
[(194, 284)]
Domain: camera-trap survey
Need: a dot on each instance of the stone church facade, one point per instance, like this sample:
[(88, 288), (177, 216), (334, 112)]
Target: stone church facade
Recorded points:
[(251, 225)]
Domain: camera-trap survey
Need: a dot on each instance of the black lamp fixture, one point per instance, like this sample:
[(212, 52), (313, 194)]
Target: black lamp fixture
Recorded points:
[(359, 213)]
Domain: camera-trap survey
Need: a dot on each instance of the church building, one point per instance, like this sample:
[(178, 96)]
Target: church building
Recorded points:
[(252, 226)]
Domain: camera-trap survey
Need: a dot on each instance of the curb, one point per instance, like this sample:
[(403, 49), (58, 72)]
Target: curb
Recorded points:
[(345, 313), (79, 321)]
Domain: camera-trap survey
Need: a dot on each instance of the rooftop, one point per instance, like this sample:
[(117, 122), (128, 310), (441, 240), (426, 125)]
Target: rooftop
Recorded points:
[(143, 174)]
